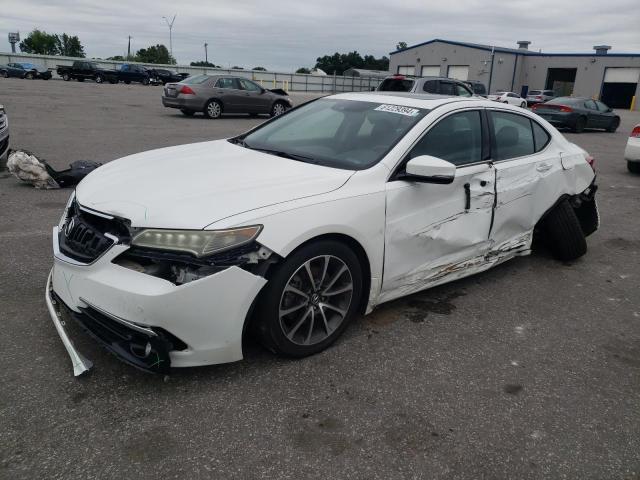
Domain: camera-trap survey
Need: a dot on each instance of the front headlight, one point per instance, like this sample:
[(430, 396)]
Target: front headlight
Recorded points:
[(65, 214), (198, 242)]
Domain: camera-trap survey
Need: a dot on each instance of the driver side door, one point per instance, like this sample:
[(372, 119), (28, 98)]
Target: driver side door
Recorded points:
[(254, 100), (436, 233)]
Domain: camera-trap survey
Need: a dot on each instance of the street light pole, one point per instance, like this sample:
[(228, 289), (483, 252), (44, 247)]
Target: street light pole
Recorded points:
[(206, 57), (129, 48), (170, 25)]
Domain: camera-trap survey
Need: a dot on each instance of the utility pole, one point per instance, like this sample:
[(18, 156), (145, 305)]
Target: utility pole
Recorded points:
[(129, 48), (170, 25), (206, 57)]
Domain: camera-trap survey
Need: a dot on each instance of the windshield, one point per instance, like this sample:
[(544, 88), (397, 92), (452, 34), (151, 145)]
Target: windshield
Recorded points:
[(196, 79), (28, 65), (396, 85), (347, 134)]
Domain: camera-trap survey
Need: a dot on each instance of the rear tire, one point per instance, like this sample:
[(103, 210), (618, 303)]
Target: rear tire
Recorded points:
[(563, 233), (5, 74), (99, 79), (581, 122), (188, 113), (633, 167), (322, 314), (29, 76), (615, 123), (66, 77), (523, 105), (213, 109)]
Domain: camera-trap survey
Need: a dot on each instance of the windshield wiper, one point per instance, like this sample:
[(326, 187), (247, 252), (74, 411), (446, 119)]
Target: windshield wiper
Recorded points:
[(283, 154)]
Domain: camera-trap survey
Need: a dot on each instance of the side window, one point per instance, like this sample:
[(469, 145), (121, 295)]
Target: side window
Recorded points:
[(430, 86), (540, 136), (125, 68), (513, 136), (462, 92), (601, 106), (512, 95), (446, 88), (456, 138), (249, 85), (227, 83), (590, 104)]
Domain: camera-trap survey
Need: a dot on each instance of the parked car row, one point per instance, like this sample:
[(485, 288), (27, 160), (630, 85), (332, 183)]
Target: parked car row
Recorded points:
[(508, 97)]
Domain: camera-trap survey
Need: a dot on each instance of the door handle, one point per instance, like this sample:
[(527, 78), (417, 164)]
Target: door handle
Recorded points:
[(467, 196), (543, 167)]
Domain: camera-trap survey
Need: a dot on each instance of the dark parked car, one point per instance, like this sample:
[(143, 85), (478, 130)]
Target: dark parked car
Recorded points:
[(25, 70), (128, 73), (214, 95), (82, 70), (577, 114), (477, 87), (161, 75), (437, 85)]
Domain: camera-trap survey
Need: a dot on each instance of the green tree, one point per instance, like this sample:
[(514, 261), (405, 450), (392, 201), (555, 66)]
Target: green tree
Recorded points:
[(401, 45), (303, 70), (39, 42), (202, 63), (69, 46), (261, 69), (155, 54), (339, 62)]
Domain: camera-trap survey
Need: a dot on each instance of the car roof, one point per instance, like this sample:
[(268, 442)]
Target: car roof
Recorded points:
[(418, 100)]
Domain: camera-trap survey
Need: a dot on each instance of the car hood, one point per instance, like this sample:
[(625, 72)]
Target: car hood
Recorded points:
[(192, 186)]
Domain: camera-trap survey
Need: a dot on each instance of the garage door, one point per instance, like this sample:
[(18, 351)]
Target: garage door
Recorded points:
[(459, 72), (621, 75), (430, 71), (406, 70), (619, 86)]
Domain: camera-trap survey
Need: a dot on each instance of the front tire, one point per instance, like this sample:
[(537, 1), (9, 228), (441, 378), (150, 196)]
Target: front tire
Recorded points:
[(213, 109), (633, 167), (563, 233), (523, 105), (613, 126), (310, 300), (278, 109), (29, 76), (66, 77), (145, 81), (99, 79), (581, 122)]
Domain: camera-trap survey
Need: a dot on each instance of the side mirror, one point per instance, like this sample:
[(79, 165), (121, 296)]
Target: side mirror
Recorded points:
[(428, 169)]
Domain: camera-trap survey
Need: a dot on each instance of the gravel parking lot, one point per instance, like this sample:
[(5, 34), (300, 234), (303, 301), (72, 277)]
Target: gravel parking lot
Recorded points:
[(530, 370)]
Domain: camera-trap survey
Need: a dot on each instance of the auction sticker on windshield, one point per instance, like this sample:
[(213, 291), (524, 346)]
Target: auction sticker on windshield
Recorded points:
[(409, 112)]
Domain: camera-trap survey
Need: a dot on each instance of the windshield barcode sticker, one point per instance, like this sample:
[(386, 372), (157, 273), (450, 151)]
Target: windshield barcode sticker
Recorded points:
[(409, 112)]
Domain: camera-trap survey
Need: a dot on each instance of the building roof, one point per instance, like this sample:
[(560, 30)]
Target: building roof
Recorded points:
[(519, 51)]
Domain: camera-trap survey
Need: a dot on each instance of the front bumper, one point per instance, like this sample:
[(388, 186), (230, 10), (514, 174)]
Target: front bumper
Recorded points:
[(632, 150), (207, 316)]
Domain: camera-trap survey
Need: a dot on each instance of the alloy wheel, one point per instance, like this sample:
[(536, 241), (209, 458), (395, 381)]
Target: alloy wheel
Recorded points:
[(214, 110), (278, 109), (316, 300)]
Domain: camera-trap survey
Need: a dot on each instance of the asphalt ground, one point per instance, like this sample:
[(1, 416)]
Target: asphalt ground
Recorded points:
[(530, 370)]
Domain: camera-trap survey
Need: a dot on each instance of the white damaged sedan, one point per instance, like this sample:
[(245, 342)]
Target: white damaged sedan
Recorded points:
[(168, 258)]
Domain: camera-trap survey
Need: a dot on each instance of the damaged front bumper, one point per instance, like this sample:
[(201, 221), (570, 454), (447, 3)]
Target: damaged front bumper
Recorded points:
[(149, 322)]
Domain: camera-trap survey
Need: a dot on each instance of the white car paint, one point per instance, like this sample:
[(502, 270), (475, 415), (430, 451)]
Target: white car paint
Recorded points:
[(509, 98), (632, 150), (217, 185)]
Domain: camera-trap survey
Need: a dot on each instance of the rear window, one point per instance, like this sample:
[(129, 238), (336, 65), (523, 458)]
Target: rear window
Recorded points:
[(549, 92), (565, 101), (430, 86), (196, 79), (396, 85)]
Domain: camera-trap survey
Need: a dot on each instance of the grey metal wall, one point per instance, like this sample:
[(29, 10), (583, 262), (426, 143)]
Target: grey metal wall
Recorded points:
[(530, 70), (290, 81)]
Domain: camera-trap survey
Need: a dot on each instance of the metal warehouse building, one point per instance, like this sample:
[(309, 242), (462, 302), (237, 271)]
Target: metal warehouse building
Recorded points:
[(611, 77)]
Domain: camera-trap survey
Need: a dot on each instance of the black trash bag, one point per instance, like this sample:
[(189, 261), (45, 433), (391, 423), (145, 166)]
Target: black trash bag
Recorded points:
[(30, 169)]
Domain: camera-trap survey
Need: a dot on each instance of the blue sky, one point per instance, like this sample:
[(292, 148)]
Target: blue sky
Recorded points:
[(286, 34)]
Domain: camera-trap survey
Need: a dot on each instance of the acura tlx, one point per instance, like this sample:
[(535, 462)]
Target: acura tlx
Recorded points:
[(168, 258)]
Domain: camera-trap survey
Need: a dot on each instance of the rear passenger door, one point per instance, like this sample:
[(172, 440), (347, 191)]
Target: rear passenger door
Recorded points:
[(436, 233), (227, 89), (529, 179)]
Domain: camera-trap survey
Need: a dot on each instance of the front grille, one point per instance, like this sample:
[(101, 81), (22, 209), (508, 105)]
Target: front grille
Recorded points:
[(3, 122), (83, 234), (4, 144)]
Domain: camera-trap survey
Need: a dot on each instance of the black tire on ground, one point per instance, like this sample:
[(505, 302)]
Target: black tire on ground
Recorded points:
[(29, 76), (127, 82), (188, 113), (278, 108), (267, 314), (213, 109), (563, 233), (80, 79), (5, 74), (588, 216), (66, 77), (613, 126), (581, 122), (145, 81), (633, 167), (99, 79), (523, 105)]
